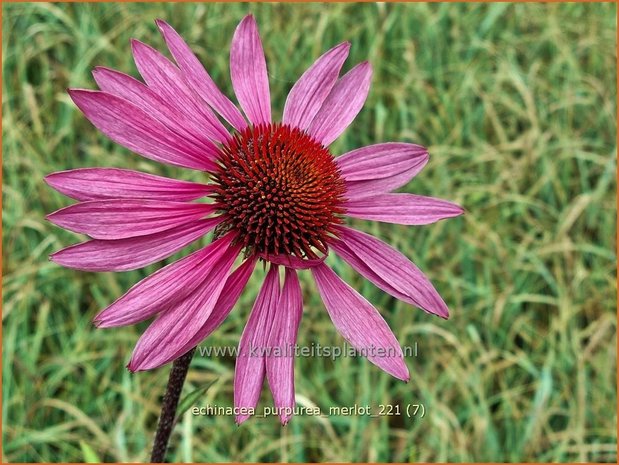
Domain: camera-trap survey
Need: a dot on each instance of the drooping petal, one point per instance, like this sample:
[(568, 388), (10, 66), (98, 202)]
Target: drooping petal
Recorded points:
[(407, 209), (113, 183), (250, 364), (168, 286), (175, 326), (125, 218), (166, 79), (280, 364), (127, 87), (310, 91), (380, 168), (131, 89), (248, 70), (198, 78), (388, 269), (132, 127), (360, 323), (229, 296), (133, 253), (291, 261), (342, 105)]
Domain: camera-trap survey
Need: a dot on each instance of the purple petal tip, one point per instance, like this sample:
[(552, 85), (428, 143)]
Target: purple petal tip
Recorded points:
[(131, 366), (345, 45), (161, 24), (75, 94)]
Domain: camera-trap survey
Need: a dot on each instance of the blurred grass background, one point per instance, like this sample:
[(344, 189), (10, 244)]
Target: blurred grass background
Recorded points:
[(517, 106)]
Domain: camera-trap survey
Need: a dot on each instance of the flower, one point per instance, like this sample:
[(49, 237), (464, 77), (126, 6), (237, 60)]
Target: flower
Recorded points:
[(276, 193)]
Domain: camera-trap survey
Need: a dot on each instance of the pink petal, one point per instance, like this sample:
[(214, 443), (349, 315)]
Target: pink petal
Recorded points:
[(360, 323), (248, 70), (380, 168), (132, 127), (132, 253), (166, 79), (291, 261), (388, 269), (175, 326), (310, 91), (229, 296), (342, 105), (145, 98), (114, 183), (168, 286), (198, 78), (250, 363), (280, 367), (125, 218), (402, 209)]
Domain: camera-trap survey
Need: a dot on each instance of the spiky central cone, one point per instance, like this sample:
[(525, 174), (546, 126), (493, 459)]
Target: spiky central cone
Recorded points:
[(281, 191)]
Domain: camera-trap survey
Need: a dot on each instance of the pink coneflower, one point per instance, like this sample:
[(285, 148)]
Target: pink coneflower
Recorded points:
[(275, 195)]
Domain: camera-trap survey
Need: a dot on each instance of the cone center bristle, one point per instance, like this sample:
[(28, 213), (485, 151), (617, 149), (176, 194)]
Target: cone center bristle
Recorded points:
[(280, 190)]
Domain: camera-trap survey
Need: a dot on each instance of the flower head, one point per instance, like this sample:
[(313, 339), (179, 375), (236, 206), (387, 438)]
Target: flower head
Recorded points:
[(276, 194), (280, 190)]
